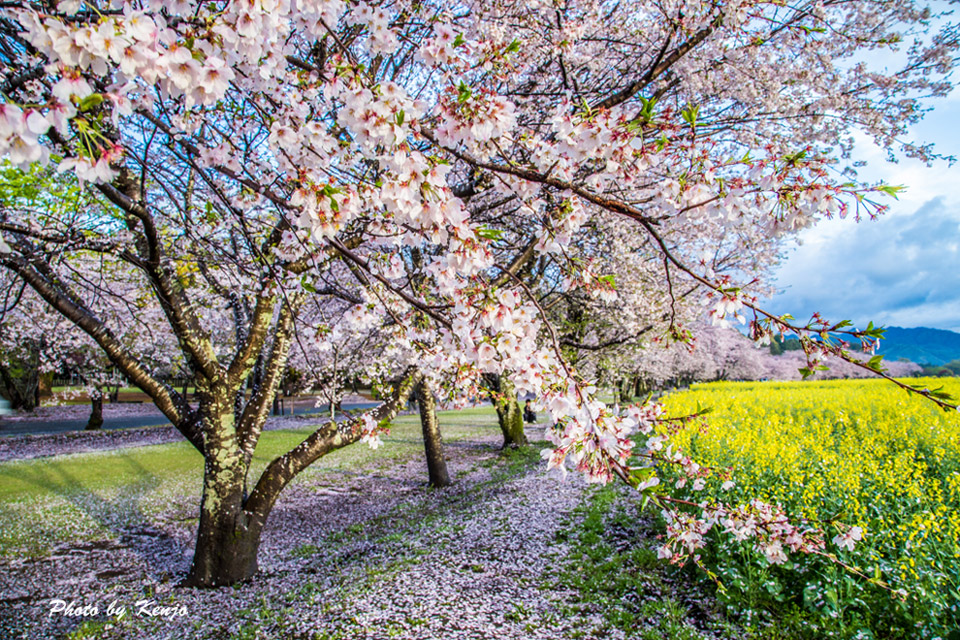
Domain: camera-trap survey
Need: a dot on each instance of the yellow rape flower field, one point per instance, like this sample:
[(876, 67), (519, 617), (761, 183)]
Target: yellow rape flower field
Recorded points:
[(859, 452)]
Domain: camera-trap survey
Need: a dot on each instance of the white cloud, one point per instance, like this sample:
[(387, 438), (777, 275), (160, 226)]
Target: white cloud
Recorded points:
[(900, 270)]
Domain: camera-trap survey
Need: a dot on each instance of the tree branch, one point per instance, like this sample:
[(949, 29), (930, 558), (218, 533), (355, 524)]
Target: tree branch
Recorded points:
[(322, 441), (172, 405)]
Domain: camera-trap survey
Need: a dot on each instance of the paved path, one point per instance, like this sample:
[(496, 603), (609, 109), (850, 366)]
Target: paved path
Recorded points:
[(45, 426)]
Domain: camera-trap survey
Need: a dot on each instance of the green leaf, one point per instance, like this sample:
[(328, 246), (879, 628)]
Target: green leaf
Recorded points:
[(90, 102), (306, 285), (874, 332), (794, 158), (463, 92), (458, 41), (489, 234), (690, 115), (831, 596), (874, 363), (891, 190)]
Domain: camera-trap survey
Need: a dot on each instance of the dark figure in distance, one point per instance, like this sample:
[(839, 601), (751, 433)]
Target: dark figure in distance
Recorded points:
[(528, 414)]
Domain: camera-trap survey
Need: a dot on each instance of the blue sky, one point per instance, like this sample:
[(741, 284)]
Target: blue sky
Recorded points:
[(900, 270)]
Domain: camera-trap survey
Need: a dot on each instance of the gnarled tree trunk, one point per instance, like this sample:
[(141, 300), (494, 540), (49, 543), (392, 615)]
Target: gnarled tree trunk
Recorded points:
[(231, 521), (432, 441), (228, 537), (509, 414)]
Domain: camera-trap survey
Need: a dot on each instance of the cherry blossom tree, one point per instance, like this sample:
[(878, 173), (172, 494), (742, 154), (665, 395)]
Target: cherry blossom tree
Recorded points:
[(27, 345), (428, 158)]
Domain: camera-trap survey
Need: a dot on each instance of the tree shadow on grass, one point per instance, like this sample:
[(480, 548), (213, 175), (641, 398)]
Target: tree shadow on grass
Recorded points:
[(121, 515)]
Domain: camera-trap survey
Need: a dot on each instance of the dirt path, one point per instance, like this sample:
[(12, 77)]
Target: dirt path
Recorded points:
[(375, 554)]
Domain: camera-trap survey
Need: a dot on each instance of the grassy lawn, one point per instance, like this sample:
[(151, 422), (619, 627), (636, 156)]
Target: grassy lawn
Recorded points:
[(90, 495)]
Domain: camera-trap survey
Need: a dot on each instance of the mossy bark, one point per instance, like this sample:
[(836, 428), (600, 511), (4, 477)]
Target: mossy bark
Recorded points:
[(228, 536), (509, 413), (432, 440)]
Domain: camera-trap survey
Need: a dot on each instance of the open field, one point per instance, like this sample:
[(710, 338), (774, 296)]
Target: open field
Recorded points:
[(863, 453)]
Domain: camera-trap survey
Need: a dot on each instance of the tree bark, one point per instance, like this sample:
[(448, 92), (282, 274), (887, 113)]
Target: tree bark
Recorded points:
[(231, 522), (96, 412), (509, 413), (641, 387), (228, 537), (432, 440)]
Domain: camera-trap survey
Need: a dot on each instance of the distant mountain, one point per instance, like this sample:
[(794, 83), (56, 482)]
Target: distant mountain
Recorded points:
[(920, 345)]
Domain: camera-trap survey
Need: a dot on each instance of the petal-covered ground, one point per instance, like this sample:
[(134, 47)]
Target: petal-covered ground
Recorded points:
[(360, 548)]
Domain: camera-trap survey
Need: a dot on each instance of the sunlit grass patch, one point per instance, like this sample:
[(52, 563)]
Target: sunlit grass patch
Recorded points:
[(93, 495)]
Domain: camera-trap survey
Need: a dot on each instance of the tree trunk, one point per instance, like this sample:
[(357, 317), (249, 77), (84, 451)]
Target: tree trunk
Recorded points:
[(44, 386), (228, 536), (21, 391), (509, 413), (96, 412), (641, 387), (432, 441)]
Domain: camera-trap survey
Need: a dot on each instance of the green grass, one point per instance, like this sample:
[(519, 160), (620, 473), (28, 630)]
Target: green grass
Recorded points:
[(615, 572), (85, 496)]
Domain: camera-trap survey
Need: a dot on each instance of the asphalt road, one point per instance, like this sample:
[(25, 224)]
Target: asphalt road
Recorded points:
[(41, 426)]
